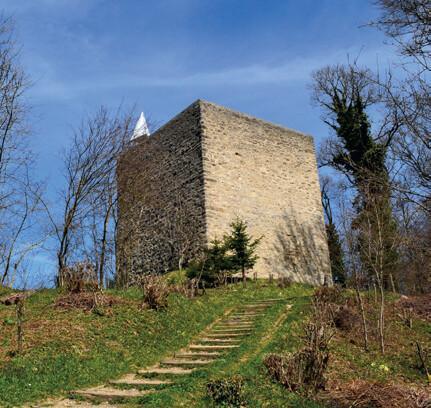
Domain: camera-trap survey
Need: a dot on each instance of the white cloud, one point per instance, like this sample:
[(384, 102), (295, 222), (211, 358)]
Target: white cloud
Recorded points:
[(297, 70)]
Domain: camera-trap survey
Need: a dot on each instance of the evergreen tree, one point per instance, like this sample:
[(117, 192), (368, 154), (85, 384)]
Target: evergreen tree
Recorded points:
[(242, 247), (217, 263), (214, 266), (335, 255)]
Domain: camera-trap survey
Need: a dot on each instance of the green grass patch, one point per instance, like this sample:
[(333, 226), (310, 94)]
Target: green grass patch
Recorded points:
[(246, 361), (66, 349)]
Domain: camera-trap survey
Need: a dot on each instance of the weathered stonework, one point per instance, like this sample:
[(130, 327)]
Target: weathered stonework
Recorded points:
[(216, 164)]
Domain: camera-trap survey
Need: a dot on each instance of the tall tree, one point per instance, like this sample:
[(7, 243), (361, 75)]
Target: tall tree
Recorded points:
[(89, 197), (408, 24), (19, 194), (344, 93), (336, 255)]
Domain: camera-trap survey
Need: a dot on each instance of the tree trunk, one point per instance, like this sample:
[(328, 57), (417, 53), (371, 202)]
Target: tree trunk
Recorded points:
[(19, 324), (60, 259), (244, 280), (382, 319), (392, 283), (364, 321), (103, 248)]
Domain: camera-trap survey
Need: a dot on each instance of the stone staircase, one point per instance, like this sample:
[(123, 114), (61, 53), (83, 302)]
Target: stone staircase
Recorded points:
[(223, 336)]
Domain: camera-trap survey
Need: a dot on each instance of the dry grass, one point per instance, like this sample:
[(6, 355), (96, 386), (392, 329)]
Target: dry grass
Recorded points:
[(61, 319), (305, 369), (420, 305), (360, 379), (365, 394), (87, 301)]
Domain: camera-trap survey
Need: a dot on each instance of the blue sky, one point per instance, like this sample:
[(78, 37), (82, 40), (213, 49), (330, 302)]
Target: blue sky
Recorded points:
[(255, 56)]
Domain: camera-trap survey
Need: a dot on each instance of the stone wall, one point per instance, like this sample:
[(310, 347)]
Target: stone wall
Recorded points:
[(161, 207), (266, 175), (187, 182)]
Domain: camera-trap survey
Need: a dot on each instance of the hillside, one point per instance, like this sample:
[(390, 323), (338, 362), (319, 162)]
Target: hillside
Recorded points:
[(68, 347)]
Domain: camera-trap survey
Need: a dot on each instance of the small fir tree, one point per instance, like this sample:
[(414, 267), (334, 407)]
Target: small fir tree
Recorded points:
[(242, 247)]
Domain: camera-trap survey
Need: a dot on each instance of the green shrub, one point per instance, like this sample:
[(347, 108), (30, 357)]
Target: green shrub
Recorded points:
[(227, 392), (214, 267), (176, 278)]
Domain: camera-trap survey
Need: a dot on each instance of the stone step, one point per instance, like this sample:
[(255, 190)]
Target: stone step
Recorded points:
[(212, 346), (219, 335), (236, 322), (167, 370), (234, 325), (254, 306), (239, 322), (246, 313), (232, 330), (74, 403), (197, 354), (274, 300), (180, 361), (131, 379), (218, 340), (109, 393), (240, 316)]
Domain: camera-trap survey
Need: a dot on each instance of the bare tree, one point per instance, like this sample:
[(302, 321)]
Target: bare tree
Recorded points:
[(90, 185), (19, 194), (375, 238), (22, 238), (408, 23), (415, 251), (352, 259)]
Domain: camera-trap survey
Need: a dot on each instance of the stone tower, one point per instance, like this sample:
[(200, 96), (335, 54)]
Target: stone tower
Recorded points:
[(182, 186)]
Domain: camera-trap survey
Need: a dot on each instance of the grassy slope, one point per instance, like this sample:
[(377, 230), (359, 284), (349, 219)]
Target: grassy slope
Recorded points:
[(348, 360), (67, 349), (272, 335), (399, 364)]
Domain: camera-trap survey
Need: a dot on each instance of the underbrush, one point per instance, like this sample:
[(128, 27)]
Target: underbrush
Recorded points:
[(364, 378), (366, 394)]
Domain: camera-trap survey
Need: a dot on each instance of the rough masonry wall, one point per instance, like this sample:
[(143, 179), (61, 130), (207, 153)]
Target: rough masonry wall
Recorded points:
[(161, 205), (267, 175)]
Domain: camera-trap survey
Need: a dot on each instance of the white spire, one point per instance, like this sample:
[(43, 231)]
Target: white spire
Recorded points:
[(141, 128)]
